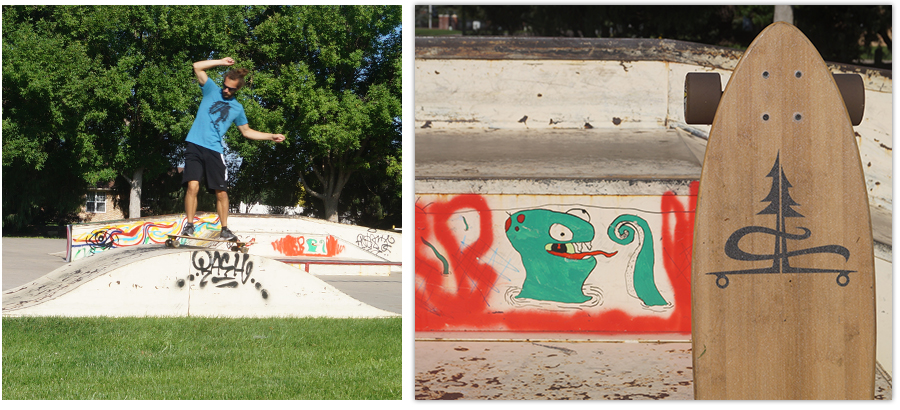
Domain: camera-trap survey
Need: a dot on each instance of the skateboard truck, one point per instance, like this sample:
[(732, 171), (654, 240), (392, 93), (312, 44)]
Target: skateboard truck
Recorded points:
[(702, 92), (236, 246)]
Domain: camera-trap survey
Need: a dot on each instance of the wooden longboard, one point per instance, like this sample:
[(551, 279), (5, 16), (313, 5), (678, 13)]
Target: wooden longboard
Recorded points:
[(783, 277), (175, 241)]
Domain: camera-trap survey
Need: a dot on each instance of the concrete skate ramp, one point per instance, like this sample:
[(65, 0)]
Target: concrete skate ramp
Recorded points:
[(152, 280)]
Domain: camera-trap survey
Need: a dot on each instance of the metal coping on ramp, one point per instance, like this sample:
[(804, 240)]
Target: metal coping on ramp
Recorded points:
[(152, 280)]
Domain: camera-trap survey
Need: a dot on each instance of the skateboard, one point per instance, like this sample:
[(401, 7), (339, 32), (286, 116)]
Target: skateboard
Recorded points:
[(234, 244), (782, 276)]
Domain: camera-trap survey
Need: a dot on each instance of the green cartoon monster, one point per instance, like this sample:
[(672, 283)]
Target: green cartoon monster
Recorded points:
[(556, 253)]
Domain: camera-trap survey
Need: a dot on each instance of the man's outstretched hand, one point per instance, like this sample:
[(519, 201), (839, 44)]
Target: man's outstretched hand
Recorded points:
[(228, 61), (277, 137)]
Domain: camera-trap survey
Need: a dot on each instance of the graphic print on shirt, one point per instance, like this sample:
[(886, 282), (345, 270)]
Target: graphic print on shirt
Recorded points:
[(221, 109)]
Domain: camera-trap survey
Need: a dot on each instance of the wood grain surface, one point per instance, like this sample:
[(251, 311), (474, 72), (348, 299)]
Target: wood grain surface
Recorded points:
[(783, 289)]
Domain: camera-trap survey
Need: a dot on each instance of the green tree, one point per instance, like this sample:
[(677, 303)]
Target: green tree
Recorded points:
[(57, 100), (93, 94), (100, 92), (330, 78)]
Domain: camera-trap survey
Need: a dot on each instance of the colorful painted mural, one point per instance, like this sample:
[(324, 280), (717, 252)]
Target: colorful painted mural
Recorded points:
[(307, 245), (138, 232), (332, 248), (554, 263)]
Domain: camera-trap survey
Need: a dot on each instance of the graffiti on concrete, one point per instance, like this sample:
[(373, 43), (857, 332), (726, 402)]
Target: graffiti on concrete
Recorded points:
[(223, 270), (639, 279), (558, 256), (556, 252), (131, 233), (376, 244), (475, 271), (308, 245), (103, 239)]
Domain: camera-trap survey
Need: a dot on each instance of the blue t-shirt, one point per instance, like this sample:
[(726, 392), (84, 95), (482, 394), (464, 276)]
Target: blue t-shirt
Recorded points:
[(214, 118)]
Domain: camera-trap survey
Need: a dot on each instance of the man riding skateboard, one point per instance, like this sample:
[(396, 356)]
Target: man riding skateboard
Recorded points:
[(205, 143)]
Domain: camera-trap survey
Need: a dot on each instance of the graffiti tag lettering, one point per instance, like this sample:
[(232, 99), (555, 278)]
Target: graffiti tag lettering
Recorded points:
[(377, 244), (223, 271)]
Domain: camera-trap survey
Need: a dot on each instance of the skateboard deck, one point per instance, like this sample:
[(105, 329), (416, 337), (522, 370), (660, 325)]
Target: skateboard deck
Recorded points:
[(175, 241), (783, 277)]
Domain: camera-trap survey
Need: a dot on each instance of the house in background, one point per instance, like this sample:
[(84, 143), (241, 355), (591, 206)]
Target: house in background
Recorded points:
[(99, 205)]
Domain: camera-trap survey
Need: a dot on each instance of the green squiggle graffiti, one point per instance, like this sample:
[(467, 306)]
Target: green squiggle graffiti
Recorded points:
[(439, 256), (623, 231)]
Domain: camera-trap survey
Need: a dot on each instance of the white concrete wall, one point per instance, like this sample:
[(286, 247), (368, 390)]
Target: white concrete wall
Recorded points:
[(498, 93)]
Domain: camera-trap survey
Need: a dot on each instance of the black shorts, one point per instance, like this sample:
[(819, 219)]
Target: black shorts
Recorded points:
[(200, 162)]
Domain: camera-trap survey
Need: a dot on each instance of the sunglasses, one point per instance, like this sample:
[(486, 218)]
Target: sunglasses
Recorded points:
[(232, 89)]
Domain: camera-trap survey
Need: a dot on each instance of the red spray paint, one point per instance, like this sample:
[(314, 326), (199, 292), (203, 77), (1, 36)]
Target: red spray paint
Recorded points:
[(441, 260)]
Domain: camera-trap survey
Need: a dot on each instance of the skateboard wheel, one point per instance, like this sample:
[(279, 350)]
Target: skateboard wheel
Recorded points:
[(176, 244), (702, 92), (854, 93), (245, 250), (169, 243)]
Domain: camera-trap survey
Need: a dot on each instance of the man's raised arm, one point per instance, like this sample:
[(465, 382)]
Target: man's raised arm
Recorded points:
[(200, 67), (252, 134)]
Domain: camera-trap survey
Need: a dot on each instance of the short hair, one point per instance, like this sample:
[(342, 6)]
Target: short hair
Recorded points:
[(237, 75)]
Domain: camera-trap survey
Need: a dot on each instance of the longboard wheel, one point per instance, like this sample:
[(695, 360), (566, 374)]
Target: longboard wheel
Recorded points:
[(702, 92), (244, 250), (854, 93), (175, 243), (169, 243)]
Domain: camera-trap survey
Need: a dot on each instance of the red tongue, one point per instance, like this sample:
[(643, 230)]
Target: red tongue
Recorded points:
[(582, 255)]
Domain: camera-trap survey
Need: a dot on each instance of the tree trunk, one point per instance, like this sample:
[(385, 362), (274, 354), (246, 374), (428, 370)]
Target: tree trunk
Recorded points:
[(134, 200), (331, 208), (331, 191)]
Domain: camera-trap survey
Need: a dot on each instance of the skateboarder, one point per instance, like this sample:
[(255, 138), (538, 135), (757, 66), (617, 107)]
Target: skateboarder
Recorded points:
[(218, 109)]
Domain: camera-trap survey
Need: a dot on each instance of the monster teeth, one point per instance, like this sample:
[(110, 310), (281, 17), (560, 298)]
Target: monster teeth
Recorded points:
[(571, 247), (582, 247)]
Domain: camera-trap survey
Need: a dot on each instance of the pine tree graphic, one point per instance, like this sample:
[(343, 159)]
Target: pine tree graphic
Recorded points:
[(782, 206)]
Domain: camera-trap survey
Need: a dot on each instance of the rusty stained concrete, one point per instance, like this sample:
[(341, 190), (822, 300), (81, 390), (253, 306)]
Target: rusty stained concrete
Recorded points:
[(559, 370)]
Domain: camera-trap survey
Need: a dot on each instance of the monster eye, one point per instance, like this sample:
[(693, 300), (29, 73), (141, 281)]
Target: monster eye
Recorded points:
[(560, 232)]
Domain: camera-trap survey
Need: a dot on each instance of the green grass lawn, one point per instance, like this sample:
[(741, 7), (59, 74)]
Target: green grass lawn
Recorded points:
[(201, 358)]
